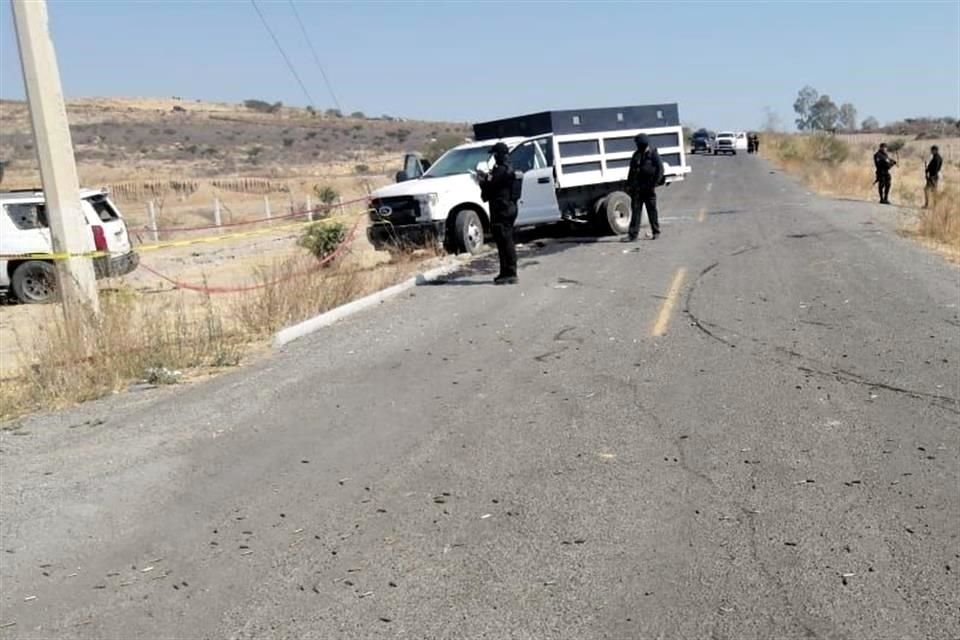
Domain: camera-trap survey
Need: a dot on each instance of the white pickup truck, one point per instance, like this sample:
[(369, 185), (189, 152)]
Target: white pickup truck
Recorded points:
[(574, 166)]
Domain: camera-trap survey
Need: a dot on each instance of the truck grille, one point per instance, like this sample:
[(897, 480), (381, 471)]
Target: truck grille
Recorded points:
[(398, 211)]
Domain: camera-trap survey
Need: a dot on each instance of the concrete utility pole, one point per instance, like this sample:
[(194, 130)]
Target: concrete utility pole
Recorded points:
[(77, 283)]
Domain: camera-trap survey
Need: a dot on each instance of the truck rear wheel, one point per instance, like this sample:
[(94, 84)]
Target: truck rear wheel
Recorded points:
[(614, 213), (34, 282), (468, 232)]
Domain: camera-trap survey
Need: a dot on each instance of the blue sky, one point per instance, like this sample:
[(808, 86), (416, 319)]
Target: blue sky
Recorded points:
[(723, 62)]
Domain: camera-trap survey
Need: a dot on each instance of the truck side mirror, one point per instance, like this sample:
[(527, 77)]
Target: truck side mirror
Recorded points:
[(402, 176)]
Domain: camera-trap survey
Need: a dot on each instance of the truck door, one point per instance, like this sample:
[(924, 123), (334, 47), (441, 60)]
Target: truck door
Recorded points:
[(538, 198)]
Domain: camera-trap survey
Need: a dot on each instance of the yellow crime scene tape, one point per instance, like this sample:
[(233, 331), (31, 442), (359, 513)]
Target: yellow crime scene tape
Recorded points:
[(178, 243)]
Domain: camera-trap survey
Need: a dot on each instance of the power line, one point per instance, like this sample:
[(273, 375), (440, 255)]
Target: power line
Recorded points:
[(316, 58), (282, 53)]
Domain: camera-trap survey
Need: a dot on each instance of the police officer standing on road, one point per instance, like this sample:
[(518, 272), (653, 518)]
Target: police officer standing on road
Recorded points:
[(498, 189), (932, 172), (646, 174), (882, 162)]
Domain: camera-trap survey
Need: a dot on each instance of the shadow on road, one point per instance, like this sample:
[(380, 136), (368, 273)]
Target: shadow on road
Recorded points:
[(531, 245)]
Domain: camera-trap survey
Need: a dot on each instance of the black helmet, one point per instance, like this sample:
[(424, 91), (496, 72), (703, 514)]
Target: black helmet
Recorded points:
[(499, 149), (642, 140)]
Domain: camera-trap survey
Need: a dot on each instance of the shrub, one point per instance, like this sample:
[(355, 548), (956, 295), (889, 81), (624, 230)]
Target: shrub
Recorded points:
[(323, 238), (896, 145), (326, 194), (440, 145), (828, 149), (361, 169), (288, 142)]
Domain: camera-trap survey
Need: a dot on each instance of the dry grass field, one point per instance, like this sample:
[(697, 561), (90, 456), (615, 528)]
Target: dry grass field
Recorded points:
[(182, 156), (843, 166)]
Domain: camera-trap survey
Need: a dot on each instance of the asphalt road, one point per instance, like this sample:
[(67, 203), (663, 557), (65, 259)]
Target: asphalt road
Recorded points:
[(747, 429)]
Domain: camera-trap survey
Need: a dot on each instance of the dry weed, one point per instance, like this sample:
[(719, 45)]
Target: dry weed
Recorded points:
[(85, 356)]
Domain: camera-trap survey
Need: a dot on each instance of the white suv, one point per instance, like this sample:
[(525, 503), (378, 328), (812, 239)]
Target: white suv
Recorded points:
[(24, 231)]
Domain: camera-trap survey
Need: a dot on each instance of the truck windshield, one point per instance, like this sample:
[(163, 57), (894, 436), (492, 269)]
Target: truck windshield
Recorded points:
[(458, 161)]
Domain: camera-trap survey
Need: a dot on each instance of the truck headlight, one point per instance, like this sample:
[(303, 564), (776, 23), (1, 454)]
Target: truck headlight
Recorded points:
[(428, 202)]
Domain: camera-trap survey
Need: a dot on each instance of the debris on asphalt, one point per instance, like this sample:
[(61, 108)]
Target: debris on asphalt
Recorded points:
[(365, 594), (147, 569), (29, 598), (343, 481), (385, 619), (549, 583), (7, 625), (485, 516)]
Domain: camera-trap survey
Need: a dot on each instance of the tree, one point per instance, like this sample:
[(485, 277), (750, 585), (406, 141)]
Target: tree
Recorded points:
[(358, 115), (803, 105), (334, 113), (848, 116), (870, 124), (824, 114), (258, 105)]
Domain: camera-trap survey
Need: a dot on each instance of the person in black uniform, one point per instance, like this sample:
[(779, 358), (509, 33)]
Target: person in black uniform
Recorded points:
[(932, 172), (497, 188), (882, 162), (645, 175)]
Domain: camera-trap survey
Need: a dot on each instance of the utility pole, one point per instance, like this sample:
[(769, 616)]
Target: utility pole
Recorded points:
[(77, 283)]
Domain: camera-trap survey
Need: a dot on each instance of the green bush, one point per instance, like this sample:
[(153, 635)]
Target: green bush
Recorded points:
[(361, 169), (326, 194), (322, 238)]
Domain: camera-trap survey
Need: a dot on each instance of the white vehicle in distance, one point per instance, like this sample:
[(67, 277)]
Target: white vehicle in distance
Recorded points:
[(24, 231), (726, 143), (741, 144)]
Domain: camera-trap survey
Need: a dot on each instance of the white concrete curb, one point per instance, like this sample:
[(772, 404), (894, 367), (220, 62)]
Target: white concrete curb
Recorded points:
[(289, 334)]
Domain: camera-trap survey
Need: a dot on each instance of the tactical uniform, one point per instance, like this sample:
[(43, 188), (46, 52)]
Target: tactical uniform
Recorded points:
[(932, 172), (499, 190), (883, 163), (646, 174)]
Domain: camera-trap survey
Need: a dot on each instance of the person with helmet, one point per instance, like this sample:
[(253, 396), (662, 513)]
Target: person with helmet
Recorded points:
[(932, 173), (882, 162), (645, 175), (498, 188)]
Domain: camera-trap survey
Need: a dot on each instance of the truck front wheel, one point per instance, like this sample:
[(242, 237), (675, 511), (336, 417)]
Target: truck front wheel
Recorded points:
[(468, 232), (615, 213)]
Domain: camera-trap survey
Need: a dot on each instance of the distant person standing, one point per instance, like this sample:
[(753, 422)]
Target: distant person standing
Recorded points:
[(882, 162), (646, 174), (498, 188), (932, 172)]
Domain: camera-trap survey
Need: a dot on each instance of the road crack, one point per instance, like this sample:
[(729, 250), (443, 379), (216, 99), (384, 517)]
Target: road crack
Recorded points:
[(815, 367)]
